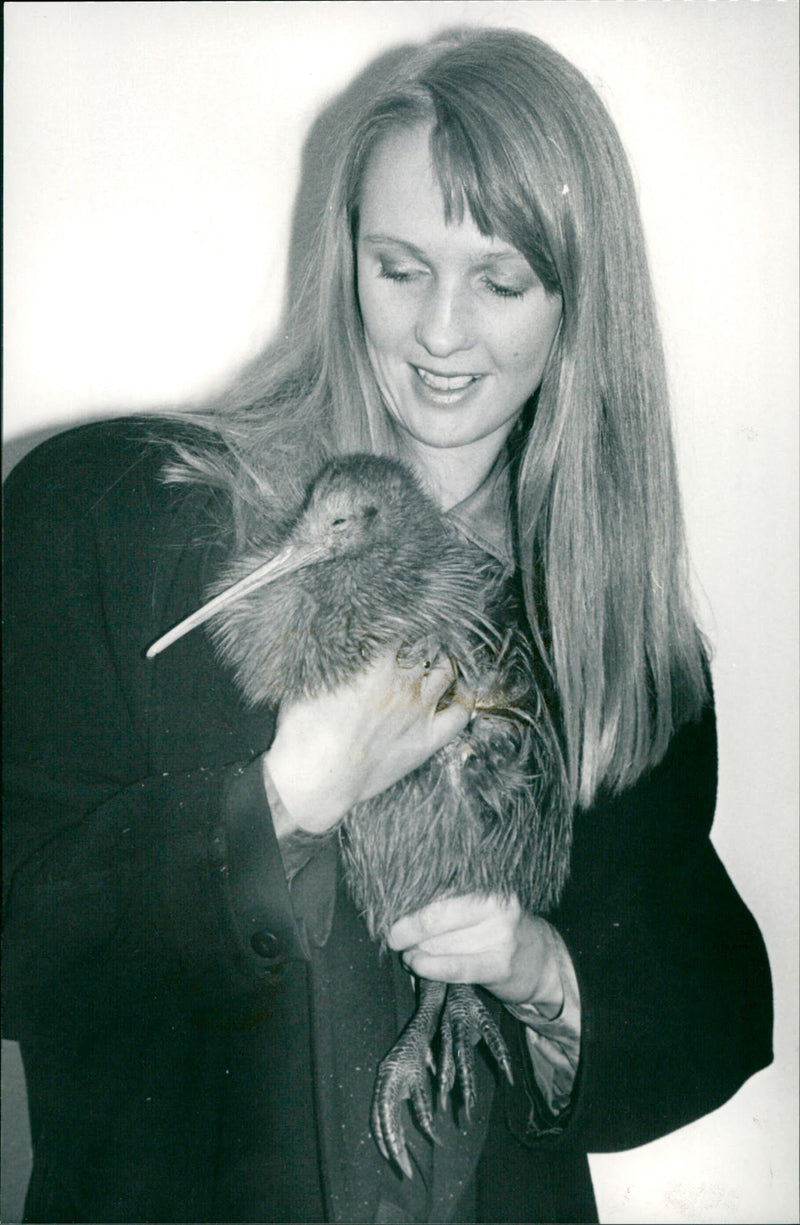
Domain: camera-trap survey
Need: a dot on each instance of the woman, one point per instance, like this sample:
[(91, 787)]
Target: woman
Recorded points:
[(183, 965)]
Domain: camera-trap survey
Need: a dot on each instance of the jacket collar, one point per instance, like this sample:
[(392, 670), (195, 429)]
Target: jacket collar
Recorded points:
[(484, 516)]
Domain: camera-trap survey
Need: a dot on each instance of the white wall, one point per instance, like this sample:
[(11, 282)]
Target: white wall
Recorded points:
[(152, 155)]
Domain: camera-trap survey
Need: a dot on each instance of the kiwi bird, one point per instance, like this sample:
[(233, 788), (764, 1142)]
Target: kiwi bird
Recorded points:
[(371, 564)]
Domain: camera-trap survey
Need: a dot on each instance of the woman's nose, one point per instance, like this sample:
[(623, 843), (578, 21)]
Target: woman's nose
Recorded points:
[(444, 323)]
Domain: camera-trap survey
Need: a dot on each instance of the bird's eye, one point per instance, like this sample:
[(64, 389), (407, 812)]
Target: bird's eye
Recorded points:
[(369, 512), (337, 522)]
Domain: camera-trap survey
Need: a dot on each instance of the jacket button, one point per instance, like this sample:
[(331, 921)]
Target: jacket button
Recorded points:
[(267, 945)]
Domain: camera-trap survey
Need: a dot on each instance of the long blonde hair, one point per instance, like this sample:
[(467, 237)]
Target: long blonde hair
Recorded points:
[(523, 143)]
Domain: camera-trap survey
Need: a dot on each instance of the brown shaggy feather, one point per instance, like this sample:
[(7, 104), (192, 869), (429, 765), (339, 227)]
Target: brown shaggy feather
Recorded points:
[(485, 813)]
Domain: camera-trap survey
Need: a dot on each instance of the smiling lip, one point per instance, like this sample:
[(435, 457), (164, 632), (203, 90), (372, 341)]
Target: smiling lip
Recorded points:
[(445, 382)]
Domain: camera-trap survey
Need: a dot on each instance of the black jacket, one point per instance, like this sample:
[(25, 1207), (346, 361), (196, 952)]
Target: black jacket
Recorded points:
[(155, 977)]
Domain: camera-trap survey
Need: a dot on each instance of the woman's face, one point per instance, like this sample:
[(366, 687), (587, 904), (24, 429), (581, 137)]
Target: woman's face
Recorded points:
[(458, 326)]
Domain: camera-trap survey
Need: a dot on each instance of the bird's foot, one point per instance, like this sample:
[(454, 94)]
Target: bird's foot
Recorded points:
[(465, 1020), (404, 1075)]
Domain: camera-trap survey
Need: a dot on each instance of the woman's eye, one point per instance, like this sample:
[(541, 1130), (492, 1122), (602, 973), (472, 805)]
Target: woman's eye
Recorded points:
[(503, 291), (395, 272)]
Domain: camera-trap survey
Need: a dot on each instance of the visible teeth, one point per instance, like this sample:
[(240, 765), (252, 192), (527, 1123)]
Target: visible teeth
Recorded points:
[(442, 382)]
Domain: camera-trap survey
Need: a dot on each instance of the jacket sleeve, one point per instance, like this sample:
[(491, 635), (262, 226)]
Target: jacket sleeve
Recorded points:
[(125, 885), (674, 982)]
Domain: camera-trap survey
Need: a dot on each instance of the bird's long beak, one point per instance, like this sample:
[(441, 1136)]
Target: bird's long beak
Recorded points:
[(292, 558)]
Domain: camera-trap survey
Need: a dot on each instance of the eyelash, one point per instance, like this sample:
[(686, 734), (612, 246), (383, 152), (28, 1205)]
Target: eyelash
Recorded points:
[(399, 277), (394, 274), (503, 291)]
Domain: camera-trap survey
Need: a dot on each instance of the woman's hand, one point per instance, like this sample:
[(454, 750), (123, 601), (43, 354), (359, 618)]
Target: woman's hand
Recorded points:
[(487, 941), (333, 751)]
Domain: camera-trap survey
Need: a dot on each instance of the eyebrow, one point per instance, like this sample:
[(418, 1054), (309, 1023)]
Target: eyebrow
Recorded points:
[(481, 259)]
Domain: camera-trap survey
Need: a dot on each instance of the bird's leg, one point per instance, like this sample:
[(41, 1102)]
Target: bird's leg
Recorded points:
[(403, 1074), (465, 1020), (446, 1068)]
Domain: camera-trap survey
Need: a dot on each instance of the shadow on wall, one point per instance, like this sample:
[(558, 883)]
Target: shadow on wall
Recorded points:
[(317, 172), (320, 152)]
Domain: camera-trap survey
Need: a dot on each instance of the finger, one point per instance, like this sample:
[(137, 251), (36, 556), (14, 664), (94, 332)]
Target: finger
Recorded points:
[(444, 969), (483, 968), (446, 724), (421, 655), (479, 924), (430, 677), (438, 678), (477, 938), (443, 915), (425, 673)]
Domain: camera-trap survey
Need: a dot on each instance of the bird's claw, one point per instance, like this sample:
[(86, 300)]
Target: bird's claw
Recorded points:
[(403, 1076), (446, 1076), (465, 1021)]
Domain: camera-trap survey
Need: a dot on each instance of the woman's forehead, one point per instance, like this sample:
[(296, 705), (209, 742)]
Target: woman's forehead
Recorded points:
[(402, 202)]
